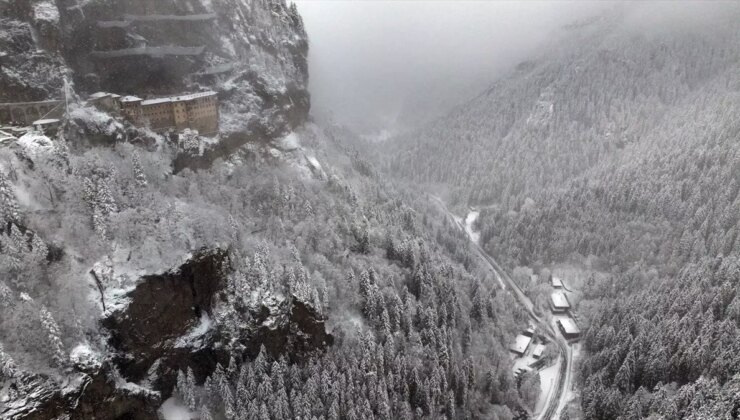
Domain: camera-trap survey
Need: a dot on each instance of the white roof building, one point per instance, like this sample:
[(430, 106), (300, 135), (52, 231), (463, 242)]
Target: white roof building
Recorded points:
[(559, 301), (569, 327), (521, 344), (557, 283), (539, 349)]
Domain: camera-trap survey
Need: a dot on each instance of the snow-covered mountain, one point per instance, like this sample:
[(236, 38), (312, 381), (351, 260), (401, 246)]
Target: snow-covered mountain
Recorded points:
[(253, 53)]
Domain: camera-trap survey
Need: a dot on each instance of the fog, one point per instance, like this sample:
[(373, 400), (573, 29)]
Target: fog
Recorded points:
[(391, 64)]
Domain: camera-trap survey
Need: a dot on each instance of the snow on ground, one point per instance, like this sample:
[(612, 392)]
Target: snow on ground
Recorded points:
[(290, 142), (46, 11), (196, 332), (523, 363), (35, 143), (174, 409), (379, 137), (547, 380), (83, 356), (469, 221)]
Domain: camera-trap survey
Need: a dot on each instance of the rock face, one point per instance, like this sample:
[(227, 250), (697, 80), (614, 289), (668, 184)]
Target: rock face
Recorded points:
[(27, 71), (252, 52), (162, 309), (86, 396), (167, 326)]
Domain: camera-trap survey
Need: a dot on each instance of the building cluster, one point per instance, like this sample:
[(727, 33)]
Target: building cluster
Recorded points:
[(533, 359), (196, 111), (559, 305)]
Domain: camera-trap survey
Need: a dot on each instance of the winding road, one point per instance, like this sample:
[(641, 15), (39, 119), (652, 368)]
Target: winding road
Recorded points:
[(557, 398)]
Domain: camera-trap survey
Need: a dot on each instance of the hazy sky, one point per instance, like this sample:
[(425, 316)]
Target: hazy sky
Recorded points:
[(371, 59)]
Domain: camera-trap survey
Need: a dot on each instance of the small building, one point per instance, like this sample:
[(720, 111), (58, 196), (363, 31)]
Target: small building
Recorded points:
[(108, 102), (529, 332), (556, 283), (538, 351), (521, 344), (47, 126), (568, 328), (559, 303)]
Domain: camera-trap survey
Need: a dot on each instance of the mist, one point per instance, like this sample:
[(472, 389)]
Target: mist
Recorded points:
[(394, 64)]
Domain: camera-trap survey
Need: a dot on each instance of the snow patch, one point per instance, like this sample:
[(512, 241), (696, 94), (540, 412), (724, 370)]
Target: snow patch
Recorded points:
[(46, 11), (196, 332), (469, 221), (35, 144), (85, 358), (174, 409), (290, 142)]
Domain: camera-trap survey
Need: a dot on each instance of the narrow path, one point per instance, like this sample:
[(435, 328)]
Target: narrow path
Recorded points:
[(557, 396)]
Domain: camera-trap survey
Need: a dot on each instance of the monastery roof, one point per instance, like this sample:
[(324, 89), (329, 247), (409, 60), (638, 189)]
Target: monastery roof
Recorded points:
[(556, 282), (180, 98), (130, 99)]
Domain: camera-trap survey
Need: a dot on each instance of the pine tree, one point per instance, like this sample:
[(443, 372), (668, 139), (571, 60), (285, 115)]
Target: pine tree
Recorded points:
[(7, 365), (205, 413), (139, 175), (190, 399), (53, 334), (9, 211)]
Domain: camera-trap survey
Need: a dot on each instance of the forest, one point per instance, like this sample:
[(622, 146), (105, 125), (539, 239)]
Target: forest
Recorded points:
[(616, 152), (420, 330)]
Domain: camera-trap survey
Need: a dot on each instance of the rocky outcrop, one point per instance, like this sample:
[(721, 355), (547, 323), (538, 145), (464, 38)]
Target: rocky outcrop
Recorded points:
[(169, 325), (162, 309), (253, 53), (287, 327), (84, 396), (27, 71)]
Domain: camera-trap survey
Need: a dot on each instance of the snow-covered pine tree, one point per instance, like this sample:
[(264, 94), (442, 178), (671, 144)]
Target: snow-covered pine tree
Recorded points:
[(139, 175), (9, 211), (56, 347), (7, 365)]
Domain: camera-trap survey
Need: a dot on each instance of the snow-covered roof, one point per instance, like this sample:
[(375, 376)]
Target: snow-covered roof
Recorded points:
[(194, 96), (46, 121), (569, 326), (130, 99), (556, 282), (559, 300), (98, 95), (156, 101), (181, 98), (520, 344), (538, 350)]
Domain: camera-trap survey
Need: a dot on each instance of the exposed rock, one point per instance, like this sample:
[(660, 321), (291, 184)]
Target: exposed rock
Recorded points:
[(288, 327), (94, 395), (162, 309), (167, 326)]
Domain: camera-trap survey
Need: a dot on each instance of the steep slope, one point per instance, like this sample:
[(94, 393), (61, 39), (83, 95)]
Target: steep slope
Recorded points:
[(333, 276), (617, 154), (254, 54), (602, 86)]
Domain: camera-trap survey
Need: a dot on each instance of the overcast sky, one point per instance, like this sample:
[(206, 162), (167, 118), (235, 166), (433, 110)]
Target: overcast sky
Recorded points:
[(371, 59)]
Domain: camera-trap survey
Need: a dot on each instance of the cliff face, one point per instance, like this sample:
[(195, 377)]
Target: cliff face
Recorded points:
[(252, 52), (169, 322)]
